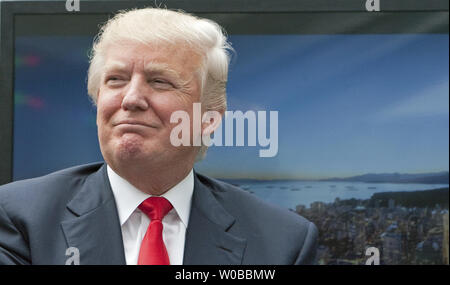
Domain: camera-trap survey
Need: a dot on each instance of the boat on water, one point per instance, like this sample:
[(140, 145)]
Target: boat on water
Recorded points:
[(351, 188)]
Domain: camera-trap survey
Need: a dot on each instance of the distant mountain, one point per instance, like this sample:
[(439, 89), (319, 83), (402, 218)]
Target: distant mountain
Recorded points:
[(425, 178), (242, 181)]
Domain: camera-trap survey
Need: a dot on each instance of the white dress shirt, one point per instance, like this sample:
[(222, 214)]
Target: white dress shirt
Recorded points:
[(134, 222)]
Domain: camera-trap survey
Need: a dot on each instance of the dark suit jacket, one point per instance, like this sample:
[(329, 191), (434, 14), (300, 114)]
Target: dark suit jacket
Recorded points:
[(41, 217)]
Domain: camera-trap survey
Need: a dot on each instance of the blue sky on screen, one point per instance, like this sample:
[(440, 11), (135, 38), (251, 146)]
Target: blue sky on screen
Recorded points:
[(348, 105)]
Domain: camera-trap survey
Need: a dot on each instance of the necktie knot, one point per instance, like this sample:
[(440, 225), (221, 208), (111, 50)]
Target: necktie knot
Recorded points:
[(155, 207)]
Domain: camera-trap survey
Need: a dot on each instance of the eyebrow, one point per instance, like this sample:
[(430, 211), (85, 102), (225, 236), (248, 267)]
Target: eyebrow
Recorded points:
[(157, 68), (150, 68), (160, 68), (114, 65)]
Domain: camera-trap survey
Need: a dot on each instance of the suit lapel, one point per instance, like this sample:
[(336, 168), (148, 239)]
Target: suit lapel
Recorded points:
[(95, 229), (208, 237)]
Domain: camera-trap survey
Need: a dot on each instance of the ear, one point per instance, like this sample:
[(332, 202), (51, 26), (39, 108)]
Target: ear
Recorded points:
[(210, 122)]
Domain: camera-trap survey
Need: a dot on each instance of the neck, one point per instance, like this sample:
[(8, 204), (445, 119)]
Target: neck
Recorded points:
[(153, 178)]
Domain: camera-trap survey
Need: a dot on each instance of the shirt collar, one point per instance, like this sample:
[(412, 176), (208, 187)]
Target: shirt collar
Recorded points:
[(128, 197)]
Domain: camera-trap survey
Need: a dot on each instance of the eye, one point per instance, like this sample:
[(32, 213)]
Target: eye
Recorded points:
[(114, 81), (112, 78), (161, 83), (159, 80)]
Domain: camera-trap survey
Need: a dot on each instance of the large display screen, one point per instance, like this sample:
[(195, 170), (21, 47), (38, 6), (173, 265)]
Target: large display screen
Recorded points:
[(363, 132)]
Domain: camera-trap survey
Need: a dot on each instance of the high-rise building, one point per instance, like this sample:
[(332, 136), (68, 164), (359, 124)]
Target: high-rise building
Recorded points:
[(392, 245), (391, 204), (429, 251)]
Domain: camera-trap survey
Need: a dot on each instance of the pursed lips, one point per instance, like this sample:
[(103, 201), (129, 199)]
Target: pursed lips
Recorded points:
[(135, 123)]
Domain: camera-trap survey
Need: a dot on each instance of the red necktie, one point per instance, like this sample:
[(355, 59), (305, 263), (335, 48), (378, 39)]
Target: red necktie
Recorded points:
[(153, 251)]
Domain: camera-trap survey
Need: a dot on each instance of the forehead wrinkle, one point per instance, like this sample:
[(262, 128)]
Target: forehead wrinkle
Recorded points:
[(159, 67)]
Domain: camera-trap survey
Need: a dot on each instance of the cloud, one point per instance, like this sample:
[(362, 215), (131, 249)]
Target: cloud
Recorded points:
[(432, 101)]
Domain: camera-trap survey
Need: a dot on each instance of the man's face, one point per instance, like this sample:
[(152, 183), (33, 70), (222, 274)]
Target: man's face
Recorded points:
[(140, 88)]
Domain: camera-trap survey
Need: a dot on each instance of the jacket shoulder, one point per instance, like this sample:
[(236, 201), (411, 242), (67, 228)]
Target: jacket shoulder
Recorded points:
[(236, 200), (274, 235), (51, 187)]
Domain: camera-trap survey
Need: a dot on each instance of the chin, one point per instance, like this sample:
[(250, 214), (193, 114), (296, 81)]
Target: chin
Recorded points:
[(129, 147)]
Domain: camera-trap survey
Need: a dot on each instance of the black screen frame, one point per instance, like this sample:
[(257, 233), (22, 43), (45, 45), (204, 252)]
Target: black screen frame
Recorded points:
[(403, 11)]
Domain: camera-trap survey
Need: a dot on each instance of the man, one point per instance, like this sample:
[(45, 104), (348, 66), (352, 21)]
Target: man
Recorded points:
[(146, 205)]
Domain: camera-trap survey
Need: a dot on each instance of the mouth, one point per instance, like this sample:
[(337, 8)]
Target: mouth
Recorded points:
[(134, 123)]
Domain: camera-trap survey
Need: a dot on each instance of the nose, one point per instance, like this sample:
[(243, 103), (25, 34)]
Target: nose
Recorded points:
[(134, 98)]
